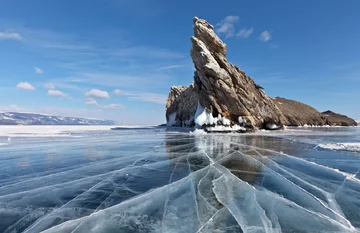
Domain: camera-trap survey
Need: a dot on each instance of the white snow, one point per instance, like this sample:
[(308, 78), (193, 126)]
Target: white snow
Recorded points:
[(198, 132), (355, 146), (241, 120), (272, 126), (222, 128), (202, 117), (45, 131)]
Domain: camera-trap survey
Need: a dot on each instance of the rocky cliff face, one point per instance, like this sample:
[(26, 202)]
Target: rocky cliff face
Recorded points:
[(181, 106), (222, 93)]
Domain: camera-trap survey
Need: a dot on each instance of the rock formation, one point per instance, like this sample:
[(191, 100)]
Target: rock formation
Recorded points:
[(224, 98), (336, 119), (299, 114), (220, 88), (181, 106)]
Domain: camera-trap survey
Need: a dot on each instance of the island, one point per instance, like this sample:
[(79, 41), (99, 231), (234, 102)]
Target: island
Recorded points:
[(223, 98)]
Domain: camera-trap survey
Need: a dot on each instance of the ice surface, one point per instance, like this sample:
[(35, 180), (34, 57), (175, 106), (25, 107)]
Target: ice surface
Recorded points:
[(341, 146), (152, 180)]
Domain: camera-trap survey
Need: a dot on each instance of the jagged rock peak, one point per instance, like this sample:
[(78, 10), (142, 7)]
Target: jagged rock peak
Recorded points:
[(222, 94), (223, 87), (205, 32)]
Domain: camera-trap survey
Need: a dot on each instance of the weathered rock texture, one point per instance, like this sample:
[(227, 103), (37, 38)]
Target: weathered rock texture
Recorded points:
[(182, 101), (337, 119), (221, 87), (298, 114)]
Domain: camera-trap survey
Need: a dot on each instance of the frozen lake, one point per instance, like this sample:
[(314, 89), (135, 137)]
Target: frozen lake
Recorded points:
[(93, 179)]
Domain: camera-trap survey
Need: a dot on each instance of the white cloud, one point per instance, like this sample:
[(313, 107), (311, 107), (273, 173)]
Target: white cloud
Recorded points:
[(147, 97), (10, 36), (49, 86), (227, 26), (265, 36), (57, 93), (95, 93), (117, 92), (25, 86), (38, 70), (91, 102), (245, 33), (170, 67), (111, 107)]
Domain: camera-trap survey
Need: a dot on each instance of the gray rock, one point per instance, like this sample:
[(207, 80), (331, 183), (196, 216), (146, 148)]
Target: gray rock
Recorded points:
[(181, 106)]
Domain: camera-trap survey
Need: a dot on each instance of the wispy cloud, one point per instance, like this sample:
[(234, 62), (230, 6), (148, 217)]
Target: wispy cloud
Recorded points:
[(265, 36), (117, 79), (111, 107), (96, 93), (38, 70), (245, 33), (170, 67), (275, 46), (93, 102), (146, 97), (10, 36), (57, 93), (117, 92), (25, 86), (226, 26)]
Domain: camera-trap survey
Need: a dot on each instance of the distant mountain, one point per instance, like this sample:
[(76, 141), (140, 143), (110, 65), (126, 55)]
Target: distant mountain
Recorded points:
[(16, 118)]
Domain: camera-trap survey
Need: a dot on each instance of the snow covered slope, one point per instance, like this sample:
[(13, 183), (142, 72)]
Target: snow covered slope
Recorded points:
[(15, 118)]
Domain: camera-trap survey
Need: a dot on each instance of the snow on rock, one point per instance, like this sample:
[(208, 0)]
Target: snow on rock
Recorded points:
[(272, 126), (222, 128), (215, 124)]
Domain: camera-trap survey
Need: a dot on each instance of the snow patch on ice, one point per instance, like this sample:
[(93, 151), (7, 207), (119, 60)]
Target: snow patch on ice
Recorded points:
[(341, 146)]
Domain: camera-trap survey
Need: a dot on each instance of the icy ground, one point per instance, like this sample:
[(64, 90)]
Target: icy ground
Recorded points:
[(152, 180)]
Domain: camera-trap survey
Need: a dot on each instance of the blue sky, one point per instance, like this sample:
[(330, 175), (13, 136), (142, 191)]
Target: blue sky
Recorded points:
[(118, 59)]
